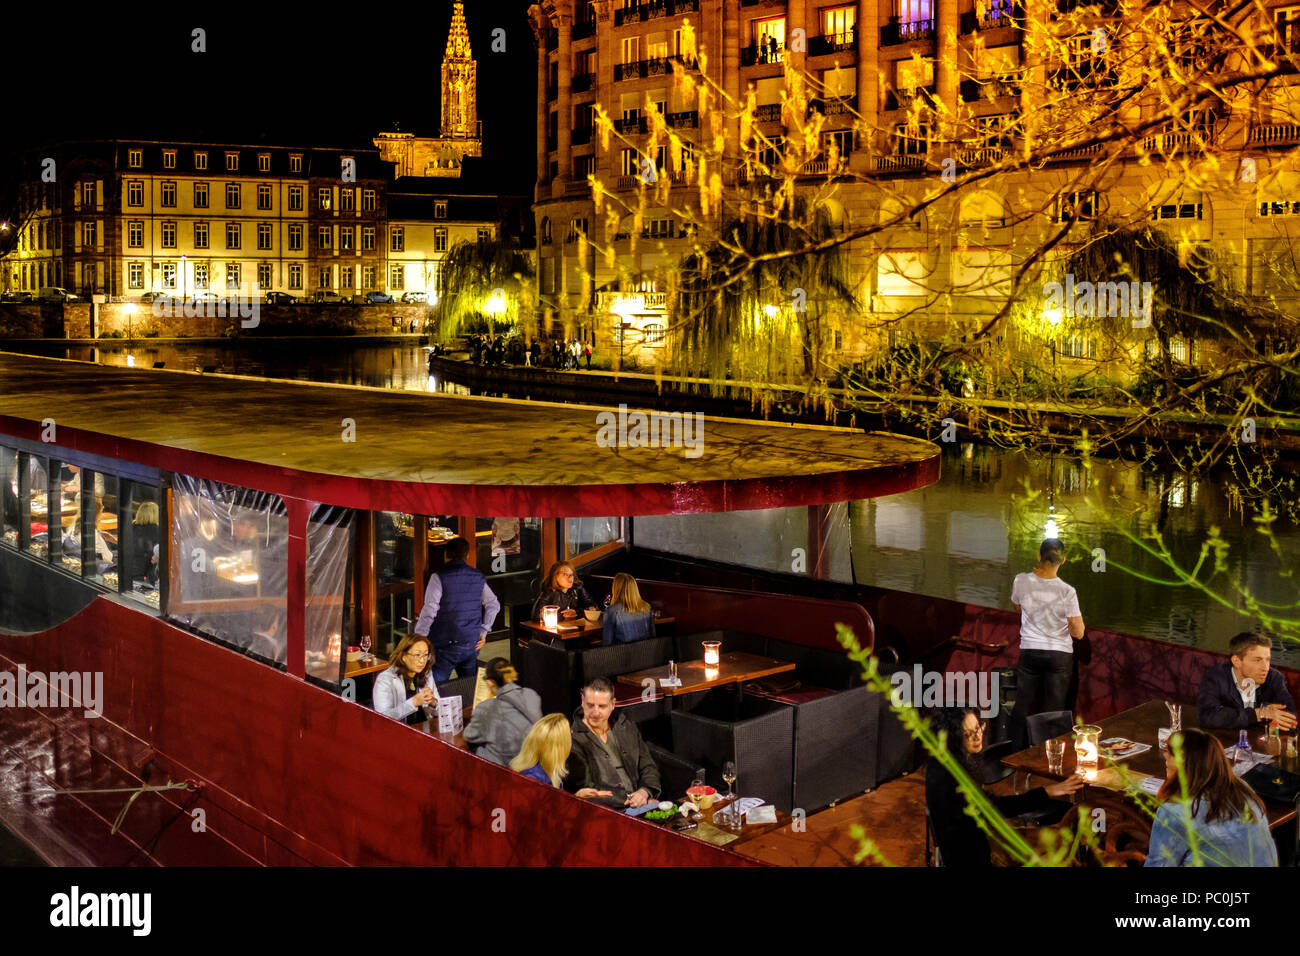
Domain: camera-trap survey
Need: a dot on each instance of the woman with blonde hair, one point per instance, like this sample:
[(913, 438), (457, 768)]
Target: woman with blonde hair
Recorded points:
[(545, 750), (407, 686), (628, 618), (562, 589)]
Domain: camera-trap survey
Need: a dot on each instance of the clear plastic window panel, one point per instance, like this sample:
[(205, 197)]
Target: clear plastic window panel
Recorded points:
[(584, 534), (70, 544), (141, 542), (9, 496), (100, 553), (329, 553), (37, 510), (229, 565)]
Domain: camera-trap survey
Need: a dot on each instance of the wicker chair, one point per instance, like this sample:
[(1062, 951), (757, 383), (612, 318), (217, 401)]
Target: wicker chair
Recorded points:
[(761, 743)]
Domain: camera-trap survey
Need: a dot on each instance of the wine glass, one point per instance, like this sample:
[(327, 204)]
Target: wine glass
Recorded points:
[(729, 775), (365, 647)]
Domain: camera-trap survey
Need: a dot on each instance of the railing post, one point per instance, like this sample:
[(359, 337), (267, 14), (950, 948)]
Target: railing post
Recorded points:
[(296, 591)]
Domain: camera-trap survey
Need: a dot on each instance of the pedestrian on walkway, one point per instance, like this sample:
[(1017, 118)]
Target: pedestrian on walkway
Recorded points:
[(586, 353)]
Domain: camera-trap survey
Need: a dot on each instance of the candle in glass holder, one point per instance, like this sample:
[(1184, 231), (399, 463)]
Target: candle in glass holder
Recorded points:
[(712, 655), (1085, 749), (550, 615)]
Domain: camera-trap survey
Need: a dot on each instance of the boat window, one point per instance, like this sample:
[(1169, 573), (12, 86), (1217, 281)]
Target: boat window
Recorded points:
[(141, 544), (587, 534), (100, 553), (229, 565), (328, 619), (9, 494), (35, 511)]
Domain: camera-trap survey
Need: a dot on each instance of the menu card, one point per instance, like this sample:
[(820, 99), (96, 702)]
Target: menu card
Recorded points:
[(451, 715)]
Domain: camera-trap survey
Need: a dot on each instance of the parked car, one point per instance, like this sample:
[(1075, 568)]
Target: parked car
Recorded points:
[(55, 294), (410, 297), (205, 297), (280, 298), (17, 297), (377, 298), (327, 296), (150, 297)]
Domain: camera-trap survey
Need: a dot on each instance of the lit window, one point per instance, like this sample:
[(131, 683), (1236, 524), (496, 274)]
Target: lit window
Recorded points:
[(295, 166), (263, 162), (200, 235), (135, 158), (169, 158), (200, 160), (232, 162)]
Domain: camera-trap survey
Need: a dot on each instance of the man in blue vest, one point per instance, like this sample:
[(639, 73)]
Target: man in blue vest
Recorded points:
[(458, 611)]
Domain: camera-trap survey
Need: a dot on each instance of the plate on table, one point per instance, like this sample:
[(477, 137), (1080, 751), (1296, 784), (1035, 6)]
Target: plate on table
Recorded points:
[(1121, 748)]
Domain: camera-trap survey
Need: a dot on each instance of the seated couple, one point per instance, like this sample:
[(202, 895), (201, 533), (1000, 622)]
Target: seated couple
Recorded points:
[(628, 617)]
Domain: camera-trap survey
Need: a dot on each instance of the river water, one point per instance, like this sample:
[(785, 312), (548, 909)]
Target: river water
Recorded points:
[(963, 538)]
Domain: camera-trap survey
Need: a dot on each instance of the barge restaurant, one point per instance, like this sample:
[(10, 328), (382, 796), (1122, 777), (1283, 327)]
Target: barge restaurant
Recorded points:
[(225, 540)]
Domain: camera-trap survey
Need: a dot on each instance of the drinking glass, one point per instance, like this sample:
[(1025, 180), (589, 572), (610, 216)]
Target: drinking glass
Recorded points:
[(1055, 754), (365, 647), (729, 775)]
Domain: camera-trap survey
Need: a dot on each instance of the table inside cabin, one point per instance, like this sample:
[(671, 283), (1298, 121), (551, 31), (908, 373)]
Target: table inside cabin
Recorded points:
[(1141, 725), (734, 667), (578, 627)]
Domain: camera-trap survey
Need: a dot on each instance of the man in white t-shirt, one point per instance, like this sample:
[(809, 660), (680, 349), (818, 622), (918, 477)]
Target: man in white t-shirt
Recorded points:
[(1050, 623)]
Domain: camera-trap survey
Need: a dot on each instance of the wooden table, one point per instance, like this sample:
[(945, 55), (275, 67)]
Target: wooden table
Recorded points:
[(735, 667), (360, 668), (1141, 724)]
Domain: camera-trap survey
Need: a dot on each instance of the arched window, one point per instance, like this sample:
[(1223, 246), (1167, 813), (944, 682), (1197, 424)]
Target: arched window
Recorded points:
[(546, 231)]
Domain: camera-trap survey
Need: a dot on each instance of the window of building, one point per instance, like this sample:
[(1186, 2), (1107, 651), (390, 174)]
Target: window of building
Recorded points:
[(484, 235), (577, 227), (914, 14), (911, 140), (135, 234), (233, 198), (263, 162), (135, 193), (200, 235), (168, 234), (88, 235), (397, 239), (232, 162), (169, 158), (440, 210), (325, 237), (168, 273), (631, 50), (295, 162), (295, 238), (200, 160), (134, 158), (584, 166), (1079, 347), (200, 195), (367, 238), (840, 143), (440, 240), (346, 236), (265, 275), (201, 275), (326, 277), (1190, 209), (631, 162), (346, 274), (1081, 205), (767, 39), (264, 196), (325, 198), (88, 193), (654, 333), (659, 228), (397, 278), (295, 199), (264, 234), (347, 200), (168, 199), (135, 275), (838, 24), (367, 277), (295, 276), (232, 275), (368, 197), (232, 235)]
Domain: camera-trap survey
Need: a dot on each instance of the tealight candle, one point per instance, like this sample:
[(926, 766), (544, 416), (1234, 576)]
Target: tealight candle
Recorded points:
[(712, 655), (550, 615)]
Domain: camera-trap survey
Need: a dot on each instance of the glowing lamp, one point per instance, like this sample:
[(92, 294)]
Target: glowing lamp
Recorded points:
[(1086, 752), (712, 653), (1054, 316), (550, 615)]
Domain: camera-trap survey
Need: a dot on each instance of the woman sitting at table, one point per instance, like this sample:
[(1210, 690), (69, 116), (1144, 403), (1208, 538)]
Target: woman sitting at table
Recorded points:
[(962, 843), (1226, 816), (142, 561), (407, 685), (628, 618), (545, 750), (499, 725), (563, 589)]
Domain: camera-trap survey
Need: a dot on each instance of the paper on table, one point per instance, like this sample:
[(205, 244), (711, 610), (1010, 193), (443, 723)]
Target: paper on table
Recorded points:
[(764, 814), (1249, 760), (451, 715), (1151, 785), (745, 804), (670, 682)]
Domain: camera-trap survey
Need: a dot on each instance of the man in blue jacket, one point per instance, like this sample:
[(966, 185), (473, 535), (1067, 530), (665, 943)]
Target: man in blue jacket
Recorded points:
[(1244, 690), (458, 611)]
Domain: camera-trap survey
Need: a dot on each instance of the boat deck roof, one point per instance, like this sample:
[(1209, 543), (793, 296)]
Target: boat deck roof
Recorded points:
[(437, 453)]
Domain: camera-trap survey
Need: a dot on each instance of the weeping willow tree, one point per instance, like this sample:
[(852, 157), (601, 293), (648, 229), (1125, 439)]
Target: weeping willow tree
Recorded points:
[(767, 321), (485, 284)]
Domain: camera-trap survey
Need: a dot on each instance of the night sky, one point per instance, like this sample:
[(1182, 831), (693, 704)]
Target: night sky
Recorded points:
[(325, 76)]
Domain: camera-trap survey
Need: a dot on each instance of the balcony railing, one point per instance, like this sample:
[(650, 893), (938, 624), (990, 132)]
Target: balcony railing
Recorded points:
[(768, 113), (903, 99), (897, 163), (657, 66), (897, 31), (980, 156), (690, 119), (583, 82), (1083, 152), (654, 10), (1007, 84), (632, 124), (835, 106), (629, 182), (834, 43), (995, 16), (1274, 134), (755, 55), (678, 178), (1180, 139)]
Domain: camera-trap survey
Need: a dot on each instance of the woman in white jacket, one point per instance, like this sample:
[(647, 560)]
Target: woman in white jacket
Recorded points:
[(407, 686)]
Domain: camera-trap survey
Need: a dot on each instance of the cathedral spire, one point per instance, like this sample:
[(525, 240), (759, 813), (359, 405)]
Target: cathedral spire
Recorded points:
[(459, 81)]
